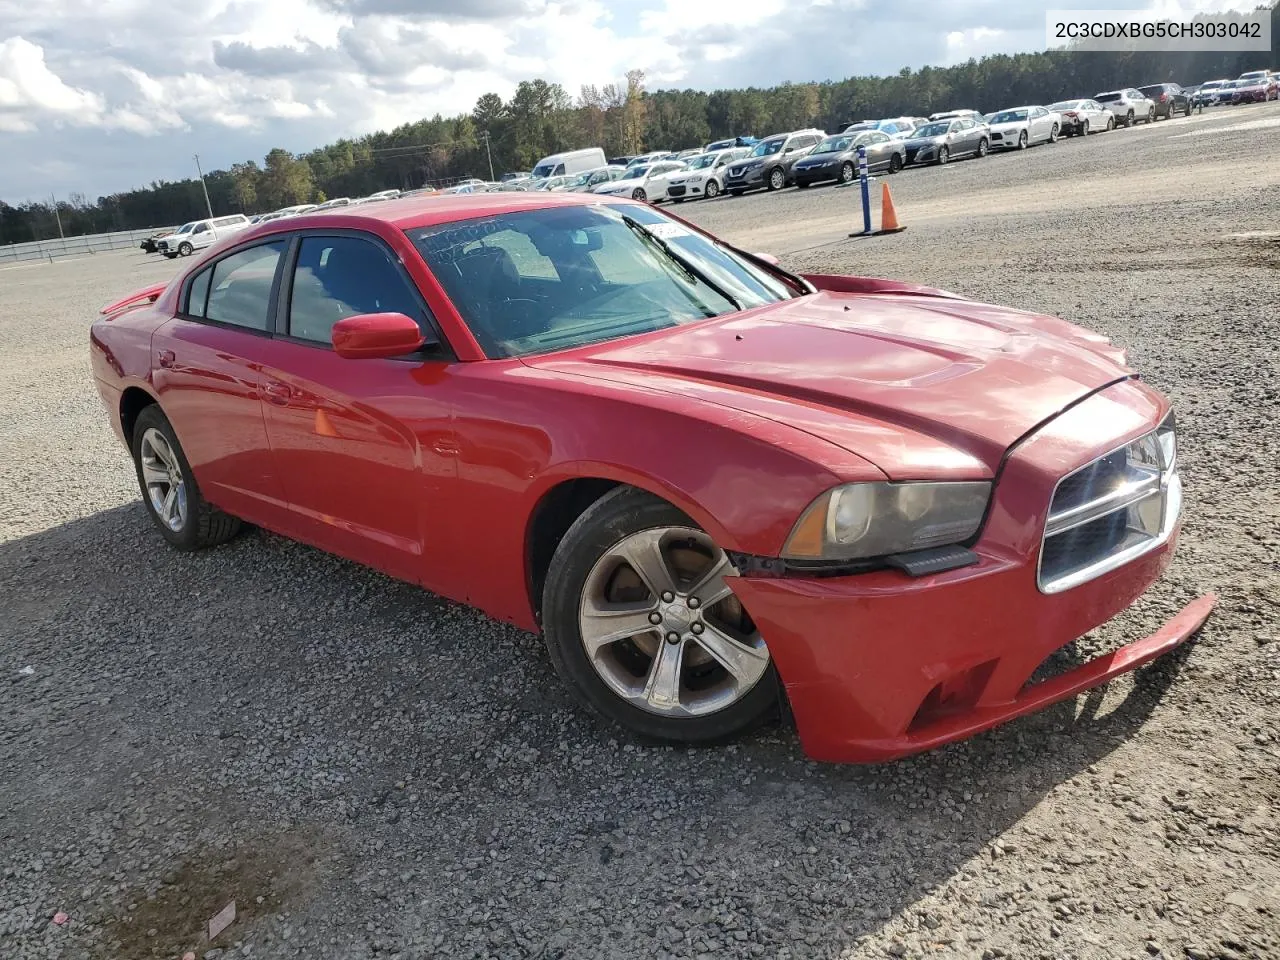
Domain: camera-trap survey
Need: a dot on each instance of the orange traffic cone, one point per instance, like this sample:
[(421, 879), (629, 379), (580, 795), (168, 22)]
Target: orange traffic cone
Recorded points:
[(888, 216)]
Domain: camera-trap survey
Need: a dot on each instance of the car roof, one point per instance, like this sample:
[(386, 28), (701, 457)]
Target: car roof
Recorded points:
[(408, 213)]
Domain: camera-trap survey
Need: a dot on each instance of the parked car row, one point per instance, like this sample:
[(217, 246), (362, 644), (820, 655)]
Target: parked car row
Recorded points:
[(1253, 86)]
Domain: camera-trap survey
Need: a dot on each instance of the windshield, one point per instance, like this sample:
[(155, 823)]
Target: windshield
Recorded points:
[(1211, 85), (186, 228), (635, 173), (933, 129), (1009, 116), (767, 148), (706, 160), (543, 170), (1254, 77), (834, 145), (540, 280)]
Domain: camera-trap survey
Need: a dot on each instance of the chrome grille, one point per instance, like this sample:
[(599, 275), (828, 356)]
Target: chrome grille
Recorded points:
[(1111, 511)]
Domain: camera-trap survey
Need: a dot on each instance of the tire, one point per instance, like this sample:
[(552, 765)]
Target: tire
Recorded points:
[(1023, 140), (846, 172), (1129, 121), (712, 190), (983, 147), (615, 681), (943, 156), (185, 249), (1151, 116), (639, 194), (895, 163), (191, 523), (776, 179), (1053, 134), (1111, 122), (1084, 128)]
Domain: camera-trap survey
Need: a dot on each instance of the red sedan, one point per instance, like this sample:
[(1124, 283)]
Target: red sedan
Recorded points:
[(708, 482)]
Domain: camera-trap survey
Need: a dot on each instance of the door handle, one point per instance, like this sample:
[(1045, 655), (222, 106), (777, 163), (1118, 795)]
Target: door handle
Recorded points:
[(277, 392), (165, 358)]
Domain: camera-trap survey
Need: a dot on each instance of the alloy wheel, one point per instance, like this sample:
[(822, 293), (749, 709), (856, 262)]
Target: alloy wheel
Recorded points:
[(777, 180), (162, 474), (712, 190), (846, 173), (662, 629)]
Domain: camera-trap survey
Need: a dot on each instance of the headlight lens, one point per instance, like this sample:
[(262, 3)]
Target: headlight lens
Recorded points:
[(860, 520)]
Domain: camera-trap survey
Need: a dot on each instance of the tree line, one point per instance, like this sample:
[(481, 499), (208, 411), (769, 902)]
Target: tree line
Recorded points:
[(624, 118)]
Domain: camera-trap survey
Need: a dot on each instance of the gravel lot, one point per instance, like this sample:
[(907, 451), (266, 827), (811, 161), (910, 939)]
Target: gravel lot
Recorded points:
[(370, 771)]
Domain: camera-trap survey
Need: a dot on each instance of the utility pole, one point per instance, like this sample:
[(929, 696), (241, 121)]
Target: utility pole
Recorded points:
[(489, 154), (208, 205), (57, 216)]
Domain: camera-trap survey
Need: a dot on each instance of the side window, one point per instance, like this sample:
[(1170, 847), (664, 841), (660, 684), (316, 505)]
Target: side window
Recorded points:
[(198, 293), (240, 292), (201, 228), (879, 138), (338, 277)]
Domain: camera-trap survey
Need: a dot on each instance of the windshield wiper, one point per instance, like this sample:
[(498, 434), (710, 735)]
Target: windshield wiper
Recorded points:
[(688, 269), (797, 281)]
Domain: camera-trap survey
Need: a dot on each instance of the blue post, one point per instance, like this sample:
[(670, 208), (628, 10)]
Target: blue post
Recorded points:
[(866, 189)]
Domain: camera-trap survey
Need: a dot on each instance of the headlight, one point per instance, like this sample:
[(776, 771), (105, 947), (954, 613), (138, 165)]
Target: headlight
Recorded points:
[(861, 520)]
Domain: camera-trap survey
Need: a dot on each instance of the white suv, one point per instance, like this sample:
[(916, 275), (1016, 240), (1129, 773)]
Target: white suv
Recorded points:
[(1128, 106), (199, 234)]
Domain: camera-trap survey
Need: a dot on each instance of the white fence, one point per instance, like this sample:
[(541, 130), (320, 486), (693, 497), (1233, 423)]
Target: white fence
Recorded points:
[(50, 250)]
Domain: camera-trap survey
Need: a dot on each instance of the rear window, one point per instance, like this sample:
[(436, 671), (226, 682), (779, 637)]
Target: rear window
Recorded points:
[(1107, 97), (1153, 91)]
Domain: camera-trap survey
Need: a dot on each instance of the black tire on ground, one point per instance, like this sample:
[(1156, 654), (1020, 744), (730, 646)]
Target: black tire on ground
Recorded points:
[(1111, 122), (639, 194), (776, 179), (1084, 128), (1053, 134), (895, 163), (1151, 116), (185, 249), (206, 525), (983, 147), (712, 190), (943, 155), (1023, 139), (1129, 121), (846, 172), (618, 514)]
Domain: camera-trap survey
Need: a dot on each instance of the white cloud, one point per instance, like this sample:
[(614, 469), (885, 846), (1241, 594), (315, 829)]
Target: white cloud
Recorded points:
[(124, 91)]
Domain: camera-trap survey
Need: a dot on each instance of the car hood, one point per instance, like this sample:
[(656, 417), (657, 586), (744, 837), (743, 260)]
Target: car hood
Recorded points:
[(1010, 126), (813, 159), (906, 382), (926, 141)]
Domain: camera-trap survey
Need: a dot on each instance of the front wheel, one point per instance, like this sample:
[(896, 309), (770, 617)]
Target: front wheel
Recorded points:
[(1023, 140), (983, 147), (895, 163), (639, 194), (1111, 123), (846, 172), (185, 249), (777, 179), (169, 488), (1128, 120), (1084, 128), (712, 190), (1053, 134), (640, 622), (943, 155), (1151, 116)]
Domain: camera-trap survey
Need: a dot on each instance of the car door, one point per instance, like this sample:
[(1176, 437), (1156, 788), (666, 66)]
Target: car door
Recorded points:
[(362, 447), (879, 150), (207, 363), (966, 136)]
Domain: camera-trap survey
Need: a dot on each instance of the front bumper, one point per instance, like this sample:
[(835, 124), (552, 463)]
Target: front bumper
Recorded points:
[(880, 665), (816, 174), (751, 179), (1004, 139), (924, 154)]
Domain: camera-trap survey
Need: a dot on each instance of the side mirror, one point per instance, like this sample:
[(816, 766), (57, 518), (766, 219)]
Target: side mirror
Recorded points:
[(373, 336), (766, 257)]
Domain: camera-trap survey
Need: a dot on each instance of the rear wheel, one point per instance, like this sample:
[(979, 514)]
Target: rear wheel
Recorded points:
[(639, 194), (1053, 134), (1084, 128), (639, 620), (1151, 116), (982, 147), (185, 249), (943, 155), (777, 179), (169, 489), (712, 190), (1128, 120), (895, 163), (846, 172), (1023, 139), (1111, 123)]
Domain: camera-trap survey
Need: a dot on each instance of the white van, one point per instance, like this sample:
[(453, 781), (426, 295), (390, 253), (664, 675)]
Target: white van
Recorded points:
[(567, 164), (198, 234)]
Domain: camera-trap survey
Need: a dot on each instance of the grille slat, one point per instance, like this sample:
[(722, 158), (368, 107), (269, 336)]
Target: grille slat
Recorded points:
[(1110, 512)]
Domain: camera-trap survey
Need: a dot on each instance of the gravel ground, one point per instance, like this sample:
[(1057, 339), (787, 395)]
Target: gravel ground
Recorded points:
[(370, 771)]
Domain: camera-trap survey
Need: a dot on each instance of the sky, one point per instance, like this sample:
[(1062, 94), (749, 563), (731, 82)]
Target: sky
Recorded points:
[(98, 96)]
